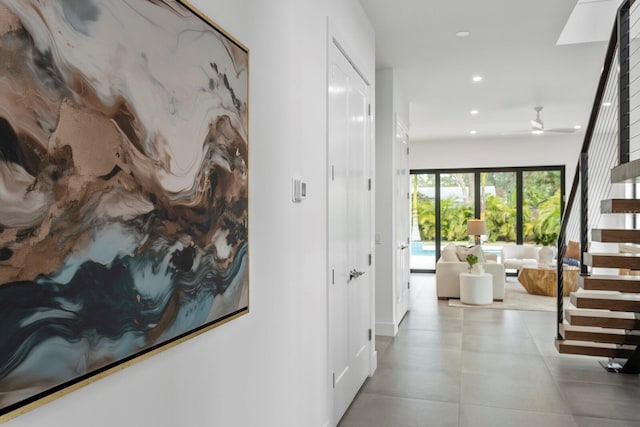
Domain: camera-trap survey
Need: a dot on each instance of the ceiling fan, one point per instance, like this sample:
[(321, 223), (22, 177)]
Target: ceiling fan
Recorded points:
[(537, 126)]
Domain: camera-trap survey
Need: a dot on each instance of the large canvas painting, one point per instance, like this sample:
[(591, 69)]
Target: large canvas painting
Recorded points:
[(123, 187)]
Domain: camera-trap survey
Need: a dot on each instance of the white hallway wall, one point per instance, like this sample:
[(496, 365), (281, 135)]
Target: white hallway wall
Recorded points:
[(268, 368), (392, 105), (543, 150)]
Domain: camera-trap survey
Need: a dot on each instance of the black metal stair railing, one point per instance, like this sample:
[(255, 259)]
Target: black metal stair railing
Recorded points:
[(607, 143), (601, 145)]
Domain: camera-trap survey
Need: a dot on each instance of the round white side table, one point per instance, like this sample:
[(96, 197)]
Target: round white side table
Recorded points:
[(476, 289)]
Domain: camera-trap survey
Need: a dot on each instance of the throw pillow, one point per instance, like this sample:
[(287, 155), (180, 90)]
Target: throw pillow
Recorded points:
[(571, 261), (462, 253), (573, 250), (449, 253)]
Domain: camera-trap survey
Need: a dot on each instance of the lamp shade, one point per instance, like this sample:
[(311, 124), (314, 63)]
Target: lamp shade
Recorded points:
[(476, 227)]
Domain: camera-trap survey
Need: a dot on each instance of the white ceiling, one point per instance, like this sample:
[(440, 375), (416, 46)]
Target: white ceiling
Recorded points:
[(513, 45)]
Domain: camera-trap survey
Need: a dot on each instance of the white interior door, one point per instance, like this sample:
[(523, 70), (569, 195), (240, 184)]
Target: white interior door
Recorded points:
[(402, 219), (349, 204)]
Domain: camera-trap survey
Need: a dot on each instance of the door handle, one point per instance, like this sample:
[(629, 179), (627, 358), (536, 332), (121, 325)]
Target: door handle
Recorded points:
[(403, 247), (355, 274)]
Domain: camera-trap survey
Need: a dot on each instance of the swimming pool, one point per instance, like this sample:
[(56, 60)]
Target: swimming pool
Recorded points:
[(428, 250)]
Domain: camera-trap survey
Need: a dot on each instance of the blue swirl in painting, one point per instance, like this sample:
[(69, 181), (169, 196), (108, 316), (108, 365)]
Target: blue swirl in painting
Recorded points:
[(123, 185)]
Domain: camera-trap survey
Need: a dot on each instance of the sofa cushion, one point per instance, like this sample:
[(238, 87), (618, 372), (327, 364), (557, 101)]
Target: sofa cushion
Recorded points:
[(462, 253), (449, 253)]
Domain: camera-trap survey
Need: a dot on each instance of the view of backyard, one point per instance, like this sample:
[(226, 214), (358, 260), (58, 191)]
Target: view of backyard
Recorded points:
[(499, 203)]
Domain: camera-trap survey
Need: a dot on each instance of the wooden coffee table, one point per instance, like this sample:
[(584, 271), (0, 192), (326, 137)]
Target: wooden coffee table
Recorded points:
[(543, 281)]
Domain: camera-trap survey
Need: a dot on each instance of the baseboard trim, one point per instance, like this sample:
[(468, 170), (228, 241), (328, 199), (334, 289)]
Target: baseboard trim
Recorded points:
[(386, 329)]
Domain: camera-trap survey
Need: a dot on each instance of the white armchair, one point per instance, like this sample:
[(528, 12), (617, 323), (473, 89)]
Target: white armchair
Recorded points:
[(449, 267)]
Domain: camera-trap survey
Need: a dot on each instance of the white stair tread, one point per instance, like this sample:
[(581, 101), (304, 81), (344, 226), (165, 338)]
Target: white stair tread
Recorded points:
[(629, 248), (620, 296), (569, 327), (626, 278)]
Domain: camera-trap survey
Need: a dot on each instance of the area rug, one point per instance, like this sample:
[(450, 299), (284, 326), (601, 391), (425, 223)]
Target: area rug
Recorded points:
[(515, 298)]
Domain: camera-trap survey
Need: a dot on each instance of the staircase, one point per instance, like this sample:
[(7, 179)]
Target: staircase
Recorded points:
[(603, 317)]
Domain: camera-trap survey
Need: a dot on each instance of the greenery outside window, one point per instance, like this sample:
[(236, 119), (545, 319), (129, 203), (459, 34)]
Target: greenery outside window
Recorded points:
[(519, 205)]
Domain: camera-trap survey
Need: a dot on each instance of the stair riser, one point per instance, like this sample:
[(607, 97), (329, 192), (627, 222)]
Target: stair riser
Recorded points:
[(598, 322), (620, 206), (603, 304), (593, 351), (609, 285), (616, 236), (611, 261)]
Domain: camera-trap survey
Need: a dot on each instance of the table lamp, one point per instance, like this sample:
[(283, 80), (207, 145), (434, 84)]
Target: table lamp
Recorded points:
[(476, 227)]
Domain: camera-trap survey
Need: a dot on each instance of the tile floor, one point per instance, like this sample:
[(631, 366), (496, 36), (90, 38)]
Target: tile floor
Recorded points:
[(476, 367)]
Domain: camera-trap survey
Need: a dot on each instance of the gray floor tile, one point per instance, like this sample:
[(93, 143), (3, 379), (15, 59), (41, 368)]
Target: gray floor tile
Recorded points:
[(382, 344), (484, 416), (516, 328), (546, 345), (520, 366), (452, 366), (586, 369), (372, 410), (506, 343), (436, 385), (484, 315), (431, 322), (421, 358), (546, 329), (429, 339), (604, 422), (620, 401), (538, 395)]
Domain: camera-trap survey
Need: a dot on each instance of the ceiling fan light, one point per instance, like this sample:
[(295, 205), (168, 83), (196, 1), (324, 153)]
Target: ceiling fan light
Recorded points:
[(537, 131), (537, 124)]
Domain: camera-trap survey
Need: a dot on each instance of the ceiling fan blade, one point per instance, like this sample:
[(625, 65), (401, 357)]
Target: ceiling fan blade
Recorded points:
[(562, 130), (517, 132)]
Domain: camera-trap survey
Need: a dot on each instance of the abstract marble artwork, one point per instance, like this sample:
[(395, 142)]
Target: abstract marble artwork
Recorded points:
[(123, 187)]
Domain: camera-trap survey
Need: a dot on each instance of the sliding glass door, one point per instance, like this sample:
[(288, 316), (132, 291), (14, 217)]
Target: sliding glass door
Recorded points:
[(542, 205), (423, 221), (519, 205), (498, 207), (457, 205)]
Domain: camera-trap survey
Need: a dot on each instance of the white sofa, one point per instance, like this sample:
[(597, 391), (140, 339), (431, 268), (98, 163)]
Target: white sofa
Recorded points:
[(449, 267), (518, 256)]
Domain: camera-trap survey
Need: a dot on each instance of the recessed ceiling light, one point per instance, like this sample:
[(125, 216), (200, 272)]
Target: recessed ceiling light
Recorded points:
[(477, 78), (576, 127), (474, 112), (473, 132), (463, 34), (606, 104)]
